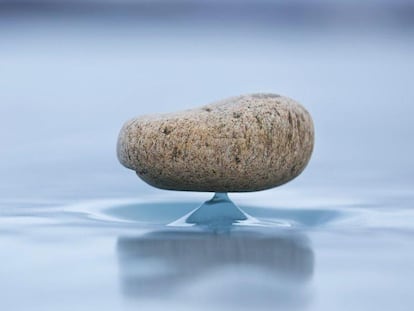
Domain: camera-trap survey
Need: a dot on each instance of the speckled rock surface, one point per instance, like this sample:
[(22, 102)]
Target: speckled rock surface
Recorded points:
[(245, 143)]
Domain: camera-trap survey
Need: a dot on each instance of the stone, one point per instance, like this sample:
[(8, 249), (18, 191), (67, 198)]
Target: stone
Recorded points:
[(245, 143)]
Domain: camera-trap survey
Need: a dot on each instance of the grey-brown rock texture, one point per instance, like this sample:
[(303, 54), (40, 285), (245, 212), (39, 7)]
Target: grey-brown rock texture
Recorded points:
[(245, 143)]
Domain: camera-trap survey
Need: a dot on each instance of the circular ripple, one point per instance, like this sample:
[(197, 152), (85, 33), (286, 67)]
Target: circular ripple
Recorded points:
[(165, 212)]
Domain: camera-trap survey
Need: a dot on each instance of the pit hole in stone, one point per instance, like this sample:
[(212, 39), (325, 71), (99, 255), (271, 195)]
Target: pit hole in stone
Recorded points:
[(167, 130), (236, 115), (237, 159), (176, 153), (290, 118), (259, 122)]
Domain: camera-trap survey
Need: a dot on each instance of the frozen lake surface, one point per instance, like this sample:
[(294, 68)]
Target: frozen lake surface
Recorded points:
[(80, 232)]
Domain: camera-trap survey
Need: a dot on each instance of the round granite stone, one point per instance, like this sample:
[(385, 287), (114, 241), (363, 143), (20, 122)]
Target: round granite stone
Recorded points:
[(245, 143)]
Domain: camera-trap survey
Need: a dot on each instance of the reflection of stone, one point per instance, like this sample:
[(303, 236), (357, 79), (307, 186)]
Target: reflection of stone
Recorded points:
[(157, 263)]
